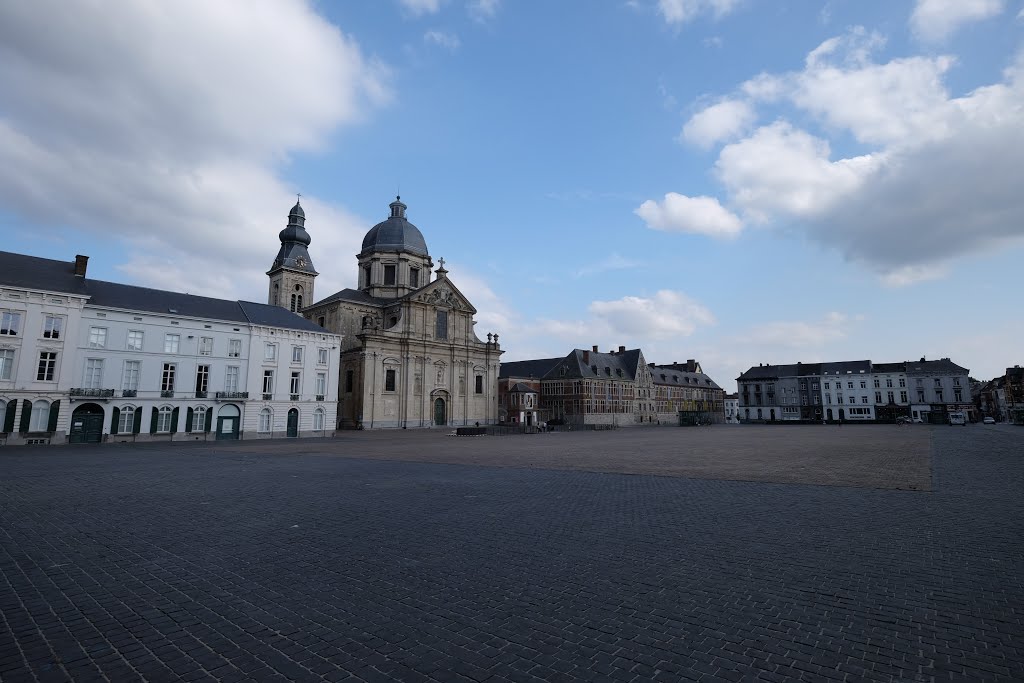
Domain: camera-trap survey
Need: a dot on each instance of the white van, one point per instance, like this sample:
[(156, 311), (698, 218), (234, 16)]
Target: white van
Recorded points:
[(957, 419)]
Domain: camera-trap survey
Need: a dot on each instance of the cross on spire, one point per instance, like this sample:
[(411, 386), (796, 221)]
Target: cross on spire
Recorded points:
[(441, 261)]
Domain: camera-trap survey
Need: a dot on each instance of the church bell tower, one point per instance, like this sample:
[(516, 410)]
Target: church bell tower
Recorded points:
[(292, 275)]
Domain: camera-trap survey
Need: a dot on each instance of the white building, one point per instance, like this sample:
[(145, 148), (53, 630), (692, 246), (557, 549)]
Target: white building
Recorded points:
[(732, 409), (84, 360)]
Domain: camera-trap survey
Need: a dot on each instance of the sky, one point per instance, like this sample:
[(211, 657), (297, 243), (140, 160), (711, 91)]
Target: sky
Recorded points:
[(735, 181)]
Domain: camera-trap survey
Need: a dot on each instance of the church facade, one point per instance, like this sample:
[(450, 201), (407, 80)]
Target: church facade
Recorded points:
[(410, 356)]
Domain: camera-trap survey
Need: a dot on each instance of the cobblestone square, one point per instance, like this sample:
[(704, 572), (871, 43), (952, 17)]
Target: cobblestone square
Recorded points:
[(666, 554)]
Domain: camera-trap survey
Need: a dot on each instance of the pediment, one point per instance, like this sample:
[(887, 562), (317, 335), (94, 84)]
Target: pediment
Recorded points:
[(445, 294)]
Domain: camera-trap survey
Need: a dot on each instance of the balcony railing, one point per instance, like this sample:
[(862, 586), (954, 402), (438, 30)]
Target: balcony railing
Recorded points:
[(231, 395), (92, 393), (201, 394), (167, 393), (267, 397), (319, 397), (129, 393), (293, 397)]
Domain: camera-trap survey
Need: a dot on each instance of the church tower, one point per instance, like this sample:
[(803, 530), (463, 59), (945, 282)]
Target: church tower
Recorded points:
[(292, 275), (394, 260)]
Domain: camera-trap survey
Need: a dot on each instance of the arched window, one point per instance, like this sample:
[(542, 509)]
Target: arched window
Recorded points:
[(318, 420), (164, 418), (199, 419), (266, 420), (126, 420), (296, 302), (277, 294), (40, 416)]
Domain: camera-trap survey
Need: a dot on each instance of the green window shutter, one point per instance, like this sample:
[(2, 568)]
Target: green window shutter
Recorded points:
[(188, 420), (137, 422), (54, 414), (26, 414), (209, 419), (152, 421), (174, 420), (12, 408), (114, 417)]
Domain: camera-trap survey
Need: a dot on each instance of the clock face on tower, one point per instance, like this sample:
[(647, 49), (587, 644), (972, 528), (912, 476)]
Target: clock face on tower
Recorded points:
[(300, 262)]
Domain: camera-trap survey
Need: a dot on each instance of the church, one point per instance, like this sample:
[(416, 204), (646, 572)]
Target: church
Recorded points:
[(409, 354)]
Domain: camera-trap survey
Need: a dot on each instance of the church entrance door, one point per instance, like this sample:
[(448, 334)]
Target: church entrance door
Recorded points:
[(440, 416), (293, 423)]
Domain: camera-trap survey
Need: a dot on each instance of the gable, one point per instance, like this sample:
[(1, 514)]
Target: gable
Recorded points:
[(445, 294)]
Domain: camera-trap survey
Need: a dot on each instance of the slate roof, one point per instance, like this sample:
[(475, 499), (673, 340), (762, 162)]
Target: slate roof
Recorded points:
[(845, 367), (767, 372), (18, 270), (527, 368), (580, 364), (679, 378), (943, 366), (889, 367), (357, 296), (395, 234), (521, 388)]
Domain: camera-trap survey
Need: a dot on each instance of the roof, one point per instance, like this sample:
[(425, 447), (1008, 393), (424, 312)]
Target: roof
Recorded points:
[(768, 372), (943, 366), (846, 367), (395, 234), (889, 367), (527, 368), (357, 296), (31, 272), (519, 387), (590, 364), (669, 375)]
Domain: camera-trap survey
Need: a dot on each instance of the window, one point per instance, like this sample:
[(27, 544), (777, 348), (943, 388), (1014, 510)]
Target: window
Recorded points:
[(10, 322), (93, 378), (6, 363), (938, 383), (202, 378), (321, 384), (479, 384), (814, 386), (171, 343), (839, 398), (322, 357), (389, 275), (98, 337), (40, 418), (349, 377), (206, 346), (231, 378), (828, 398), (903, 382), (318, 420), (956, 381), (296, 384), (52, 327), (270, 352), (863, 384), (878, 397), (321, 321), (903, 397), (938, 396), (126, 420), (130, 376), (167, 378), (849, 385), (957, 396), (266, 420), (234, 348), (389, 380), (47, 365), (442, 325), (414, 277), (296, 354), (890, 397), (888, 383), (826, 385), (878, 384), (863, 399), (164, 418), (920, 397), (199, 419), (268, 382), (134, 340), (366, 275), (296, 302)]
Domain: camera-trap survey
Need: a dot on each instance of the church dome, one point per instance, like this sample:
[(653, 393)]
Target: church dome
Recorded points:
[(395, 234), (295, 231)]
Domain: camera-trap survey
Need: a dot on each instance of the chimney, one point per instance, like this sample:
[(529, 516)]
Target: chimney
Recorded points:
[(81, 263), (622, 349), (595, 348), (586, 356)]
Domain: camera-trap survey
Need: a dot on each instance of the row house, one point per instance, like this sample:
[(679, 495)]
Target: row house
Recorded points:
[(684, 393), (84, 360), (1014, 392), (854, 391)]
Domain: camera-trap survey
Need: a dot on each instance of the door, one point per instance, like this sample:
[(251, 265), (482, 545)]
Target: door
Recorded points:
[(439, 412), (227, 422), (830, 414), (842, 414), (86, 424), (293, 422)]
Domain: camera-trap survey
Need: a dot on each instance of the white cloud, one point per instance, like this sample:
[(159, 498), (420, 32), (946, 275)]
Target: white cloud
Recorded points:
[(799, 334), (482, 10), (420, 7), (166, 129), (666, 314), (683, 11), (721, 121), (449, 41), (936, 178), (935, 20), (679, 213)]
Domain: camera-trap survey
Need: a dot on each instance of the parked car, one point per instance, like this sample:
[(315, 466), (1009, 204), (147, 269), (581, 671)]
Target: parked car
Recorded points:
[(957, 418), (904, 421), (989, 420)]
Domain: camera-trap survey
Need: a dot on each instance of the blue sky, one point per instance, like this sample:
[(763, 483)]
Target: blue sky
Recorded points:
[(737, 181)]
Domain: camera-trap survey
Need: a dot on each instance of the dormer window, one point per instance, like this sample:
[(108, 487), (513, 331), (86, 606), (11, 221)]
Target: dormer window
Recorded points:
[(607, 371), (594, 369)]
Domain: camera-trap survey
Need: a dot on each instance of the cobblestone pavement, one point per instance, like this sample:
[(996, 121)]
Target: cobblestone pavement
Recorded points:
[(198, 563)]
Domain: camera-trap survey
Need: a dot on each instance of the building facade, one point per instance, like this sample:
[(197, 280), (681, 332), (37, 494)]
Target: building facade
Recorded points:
[(854, 391), (410, 355), (84, 360)]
